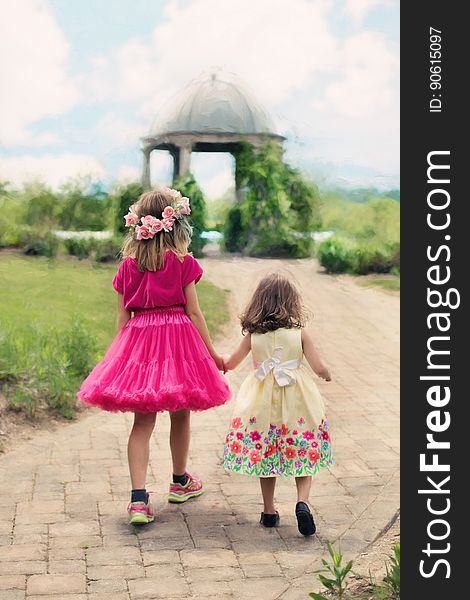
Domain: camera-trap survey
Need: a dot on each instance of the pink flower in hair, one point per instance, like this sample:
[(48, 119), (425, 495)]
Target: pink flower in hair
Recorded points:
[(147, 221), (157, 226), (168, 212), (131, 219), (185, 209), (171, 192), (168, 224), (143, 232)]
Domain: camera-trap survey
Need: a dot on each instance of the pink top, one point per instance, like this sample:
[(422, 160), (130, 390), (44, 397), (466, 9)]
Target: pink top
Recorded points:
[(149, 289)]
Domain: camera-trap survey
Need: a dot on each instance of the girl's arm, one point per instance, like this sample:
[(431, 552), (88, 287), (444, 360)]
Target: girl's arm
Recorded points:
[(312, 357), (240, 353), (123, 315), (193, 310)]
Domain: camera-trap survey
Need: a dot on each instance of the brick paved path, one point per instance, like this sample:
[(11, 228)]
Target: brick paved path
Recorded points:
[(63, 530)]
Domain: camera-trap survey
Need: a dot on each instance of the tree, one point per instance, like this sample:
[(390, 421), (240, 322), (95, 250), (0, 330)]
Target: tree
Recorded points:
[(279, 209), (188, 187), (124, 197)]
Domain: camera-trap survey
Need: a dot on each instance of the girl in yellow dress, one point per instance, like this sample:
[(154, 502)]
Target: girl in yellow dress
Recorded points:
[(279, 425)]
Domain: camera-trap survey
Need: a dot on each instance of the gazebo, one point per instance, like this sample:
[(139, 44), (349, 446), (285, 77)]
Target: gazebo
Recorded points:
[(214, 113)]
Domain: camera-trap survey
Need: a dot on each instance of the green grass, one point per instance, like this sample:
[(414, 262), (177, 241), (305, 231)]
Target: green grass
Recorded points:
[(46, 292), (390, 284), (57, 318)]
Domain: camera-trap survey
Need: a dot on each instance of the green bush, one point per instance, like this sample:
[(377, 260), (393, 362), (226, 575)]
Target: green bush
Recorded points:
[(79, 247), (45, 244), (122, 198), (235, 235), (342, 255), (107, 250), (334, 255), (278, 205)]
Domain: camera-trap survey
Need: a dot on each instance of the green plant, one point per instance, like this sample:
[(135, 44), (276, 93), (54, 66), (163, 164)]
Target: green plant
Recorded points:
[(79, 247), (336, 584), (279, 209), (188, 187), (45, 365), (45, 244), (235, 235), (392, 578), (107, 250), (124, 197), (334, 255)]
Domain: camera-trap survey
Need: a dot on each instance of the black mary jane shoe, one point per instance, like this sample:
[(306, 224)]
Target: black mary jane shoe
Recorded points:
[(305, 521), (270, 520)]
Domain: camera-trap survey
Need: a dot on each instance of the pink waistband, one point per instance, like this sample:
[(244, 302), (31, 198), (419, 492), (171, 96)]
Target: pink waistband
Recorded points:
[(146, 311)]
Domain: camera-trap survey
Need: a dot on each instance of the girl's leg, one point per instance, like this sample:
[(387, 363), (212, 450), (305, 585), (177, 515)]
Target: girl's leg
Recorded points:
[(138, 448), (180, 435), (303, 488), (267, 489)]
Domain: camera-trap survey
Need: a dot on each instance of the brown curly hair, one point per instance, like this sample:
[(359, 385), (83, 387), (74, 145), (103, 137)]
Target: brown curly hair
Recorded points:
[(150, 254), (275, 303)]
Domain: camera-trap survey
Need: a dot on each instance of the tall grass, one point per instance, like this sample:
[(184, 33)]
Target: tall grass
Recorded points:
[(57, 318)]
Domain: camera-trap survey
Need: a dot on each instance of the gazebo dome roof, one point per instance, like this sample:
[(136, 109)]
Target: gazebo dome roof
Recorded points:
[(215, 102)]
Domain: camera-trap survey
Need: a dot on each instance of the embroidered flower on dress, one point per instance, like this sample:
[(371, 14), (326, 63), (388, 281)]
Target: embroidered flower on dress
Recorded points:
[(290, 453)]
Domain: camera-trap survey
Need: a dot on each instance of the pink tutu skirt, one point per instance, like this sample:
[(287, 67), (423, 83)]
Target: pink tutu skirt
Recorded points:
[(157, 362)]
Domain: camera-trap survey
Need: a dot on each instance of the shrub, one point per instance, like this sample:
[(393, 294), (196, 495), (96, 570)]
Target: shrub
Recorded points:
[(334, 255), (38, 244), (124, 197), (279, 203), (107, 250), (12, 236), (79, 247), (343, 255), (235, 235)]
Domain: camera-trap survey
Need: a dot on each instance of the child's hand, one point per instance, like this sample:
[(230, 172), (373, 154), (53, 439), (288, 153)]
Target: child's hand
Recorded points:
[(219, 361), (324, 374), (226, 359)]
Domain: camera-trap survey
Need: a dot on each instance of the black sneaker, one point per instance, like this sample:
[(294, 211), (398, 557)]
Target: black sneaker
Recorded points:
[(270, 520), (305, 521)]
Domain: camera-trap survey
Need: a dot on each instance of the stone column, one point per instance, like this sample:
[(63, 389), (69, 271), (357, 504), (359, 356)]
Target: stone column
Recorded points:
[(184, 160), (146, 169)]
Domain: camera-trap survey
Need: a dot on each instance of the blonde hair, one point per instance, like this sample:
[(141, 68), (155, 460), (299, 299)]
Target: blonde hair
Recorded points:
[(276, 303), (150, 254)]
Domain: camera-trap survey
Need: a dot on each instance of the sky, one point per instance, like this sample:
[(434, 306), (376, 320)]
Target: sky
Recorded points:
[(82, 81)]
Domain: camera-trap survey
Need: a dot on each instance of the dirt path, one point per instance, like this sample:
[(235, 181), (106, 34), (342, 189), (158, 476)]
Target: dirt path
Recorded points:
[(62, 527)]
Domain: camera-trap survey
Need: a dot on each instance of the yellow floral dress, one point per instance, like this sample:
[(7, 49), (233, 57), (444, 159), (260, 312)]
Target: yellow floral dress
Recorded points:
[(279, 425)]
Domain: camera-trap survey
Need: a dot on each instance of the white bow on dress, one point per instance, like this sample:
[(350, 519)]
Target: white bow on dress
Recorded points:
[(282, 371)]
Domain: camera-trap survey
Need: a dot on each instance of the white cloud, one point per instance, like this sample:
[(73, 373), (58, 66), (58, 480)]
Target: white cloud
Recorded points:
[(119, 130), (368, 74), (128, 174), (274, 46), (32, 71), (52, 169), (359, 9)]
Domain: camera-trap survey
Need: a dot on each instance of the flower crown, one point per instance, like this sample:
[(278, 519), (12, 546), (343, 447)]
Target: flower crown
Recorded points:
[(150, 225)]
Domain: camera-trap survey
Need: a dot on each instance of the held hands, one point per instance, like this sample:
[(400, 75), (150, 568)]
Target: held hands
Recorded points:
[(324, 374), (221, 362)]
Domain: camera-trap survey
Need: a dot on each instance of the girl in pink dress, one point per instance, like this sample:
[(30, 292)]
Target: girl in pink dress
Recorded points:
[(162, 358)]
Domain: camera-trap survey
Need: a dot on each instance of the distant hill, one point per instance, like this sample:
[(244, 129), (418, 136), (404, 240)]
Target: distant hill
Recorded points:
[(359, 194)]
